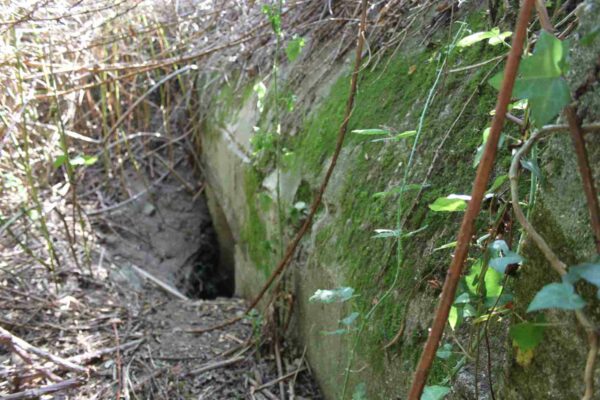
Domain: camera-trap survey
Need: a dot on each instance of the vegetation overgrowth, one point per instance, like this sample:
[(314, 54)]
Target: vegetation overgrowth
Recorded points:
[(94, 90)]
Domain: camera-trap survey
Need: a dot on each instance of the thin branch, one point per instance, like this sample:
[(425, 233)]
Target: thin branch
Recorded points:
[(585, 171), (7, 337), (44, 390)]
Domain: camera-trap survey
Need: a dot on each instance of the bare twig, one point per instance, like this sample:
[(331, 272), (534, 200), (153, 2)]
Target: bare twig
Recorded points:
[(168, 288), (86, 357), (279, 379), (585, 171), (216, 365), (7, 337), (44, 390)]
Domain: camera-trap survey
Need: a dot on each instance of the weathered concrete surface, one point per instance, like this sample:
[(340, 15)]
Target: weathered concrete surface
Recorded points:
[(393, 290)]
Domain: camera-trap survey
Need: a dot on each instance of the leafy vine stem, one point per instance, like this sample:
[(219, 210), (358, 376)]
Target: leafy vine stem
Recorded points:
[(557, 265)]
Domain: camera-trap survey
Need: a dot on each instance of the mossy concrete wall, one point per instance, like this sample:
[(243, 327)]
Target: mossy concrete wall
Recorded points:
[(393, 289)]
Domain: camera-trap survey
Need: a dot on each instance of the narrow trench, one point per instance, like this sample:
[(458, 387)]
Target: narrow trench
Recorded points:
[(209, 272)]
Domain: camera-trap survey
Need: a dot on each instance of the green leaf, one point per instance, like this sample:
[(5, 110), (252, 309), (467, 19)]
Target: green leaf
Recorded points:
[(446, 246), (445, 204), (557, 295), (462, 298), (532, 166), (494, 36), (500, 263), (435, 392), (499, 38), (350, 319), (294, 47), (273, 16), (360, 392), (83, 160), (59, 161), (481, 148), (397, 137), (588, 271), (332, 295), (493, 284), (474, 38), (499, 181), (371, 131), (454, 317), (541, 79), (502, 256), (444, 352), (386, 233), (528, 335), (261, 91), (404, 135), (472, 277)]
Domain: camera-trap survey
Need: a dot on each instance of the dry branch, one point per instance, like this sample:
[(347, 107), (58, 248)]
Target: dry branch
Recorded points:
[(44, 390), (12, 340)]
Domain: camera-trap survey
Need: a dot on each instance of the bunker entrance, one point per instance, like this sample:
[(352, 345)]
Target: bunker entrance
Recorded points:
[(208, 272)]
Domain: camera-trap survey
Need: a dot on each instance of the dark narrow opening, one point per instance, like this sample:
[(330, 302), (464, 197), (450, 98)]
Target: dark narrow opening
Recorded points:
[(209, 272)]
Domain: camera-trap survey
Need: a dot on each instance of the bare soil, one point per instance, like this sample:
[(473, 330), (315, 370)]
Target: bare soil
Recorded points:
[(129, 333)]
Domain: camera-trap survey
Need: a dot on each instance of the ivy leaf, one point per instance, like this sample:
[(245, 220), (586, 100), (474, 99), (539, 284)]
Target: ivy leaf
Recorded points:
[(557, 295), (445, 204), (502, 256), (444, 352), (588, 271), (541, 79), (294, 47), (435, 392), (528, 335), (338, 295), (500, 263)]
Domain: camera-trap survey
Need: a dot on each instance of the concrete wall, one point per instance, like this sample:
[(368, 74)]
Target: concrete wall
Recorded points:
[(339, 249)]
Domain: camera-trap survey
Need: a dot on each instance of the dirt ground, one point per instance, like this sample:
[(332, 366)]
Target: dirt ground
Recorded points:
[(111, 331)]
